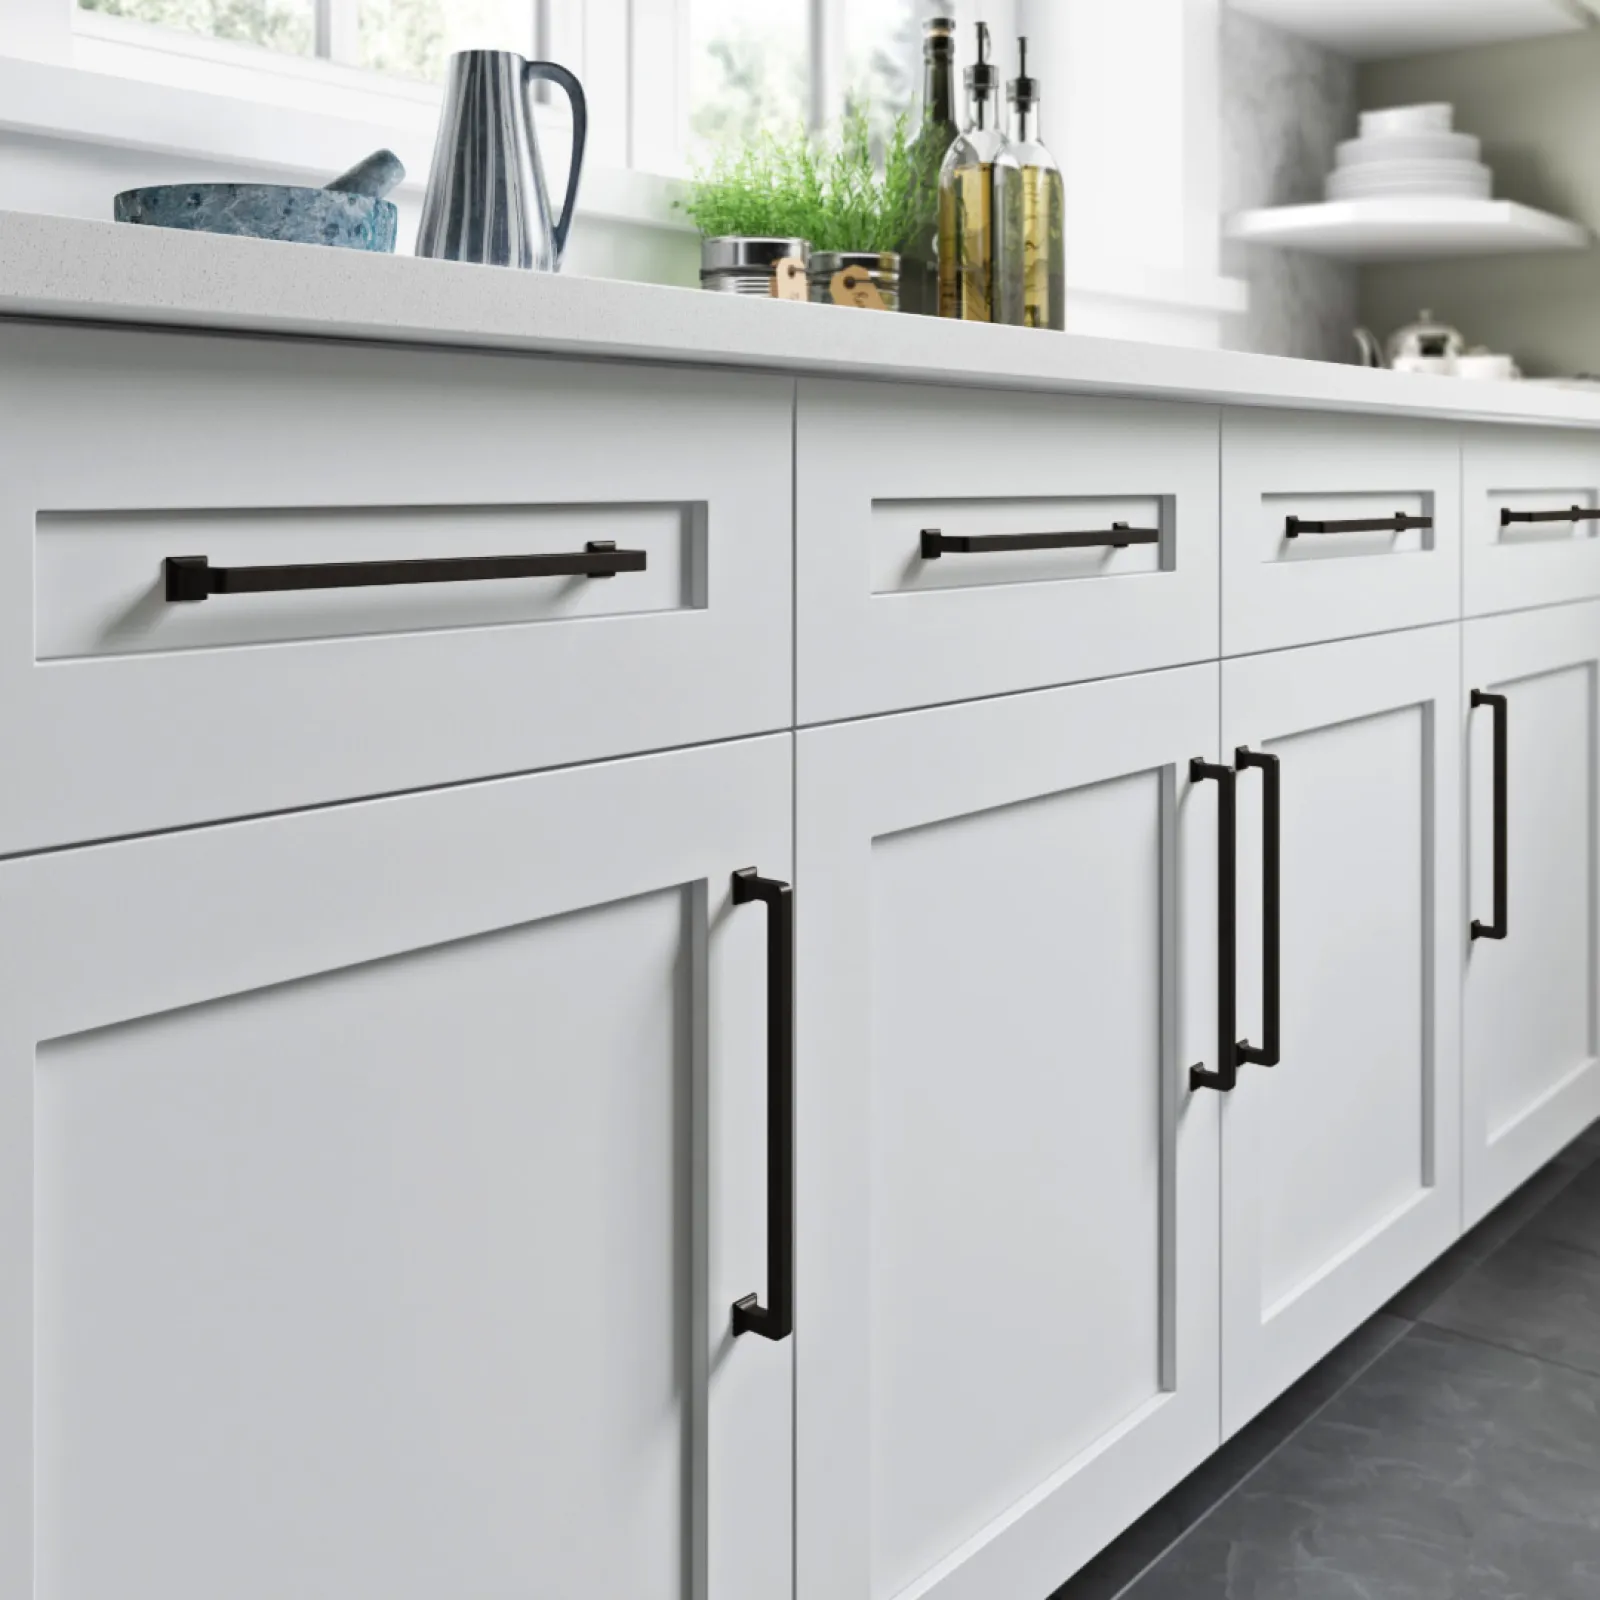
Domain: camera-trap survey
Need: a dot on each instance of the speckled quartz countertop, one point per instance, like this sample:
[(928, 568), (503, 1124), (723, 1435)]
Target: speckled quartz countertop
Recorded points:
[(57, 267)]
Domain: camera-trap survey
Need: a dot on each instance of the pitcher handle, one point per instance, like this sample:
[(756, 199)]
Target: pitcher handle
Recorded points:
[(551, 73)]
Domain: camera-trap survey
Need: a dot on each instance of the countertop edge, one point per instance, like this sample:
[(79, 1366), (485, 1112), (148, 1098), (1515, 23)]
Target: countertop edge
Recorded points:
[(69, 269)]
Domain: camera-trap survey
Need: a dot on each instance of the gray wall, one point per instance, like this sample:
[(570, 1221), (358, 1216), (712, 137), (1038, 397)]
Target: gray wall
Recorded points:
[(1536, 106), (1285, 105)]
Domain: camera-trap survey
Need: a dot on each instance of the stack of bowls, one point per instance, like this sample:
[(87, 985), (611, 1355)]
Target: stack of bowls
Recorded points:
[(1409, 150)]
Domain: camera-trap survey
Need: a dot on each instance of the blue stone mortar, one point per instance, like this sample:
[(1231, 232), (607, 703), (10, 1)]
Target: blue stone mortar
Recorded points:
[(265, 211)]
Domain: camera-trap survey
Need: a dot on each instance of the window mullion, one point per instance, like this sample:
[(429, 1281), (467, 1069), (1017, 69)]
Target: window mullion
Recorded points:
[(339, 30), (825, 61)]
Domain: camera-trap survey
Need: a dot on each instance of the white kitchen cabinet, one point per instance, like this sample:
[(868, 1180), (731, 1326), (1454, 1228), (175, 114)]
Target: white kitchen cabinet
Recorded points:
[(123, 710), (1341, 1169), (375, 1184), (1530, 506), (953, 543), (1007, 1189), (1532, 1061), (1336, 526)]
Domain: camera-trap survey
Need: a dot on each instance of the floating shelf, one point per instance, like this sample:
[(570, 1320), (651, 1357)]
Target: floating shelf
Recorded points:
[(1412, 228), (1372, 29)]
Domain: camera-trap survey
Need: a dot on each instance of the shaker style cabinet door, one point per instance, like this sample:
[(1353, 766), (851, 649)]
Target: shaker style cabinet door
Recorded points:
[(1529, 925), (1007, 1189), (376, 1183), (1341, 1169), (952, 543), (395, 568)]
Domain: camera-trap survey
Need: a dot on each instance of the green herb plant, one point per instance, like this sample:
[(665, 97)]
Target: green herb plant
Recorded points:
[(836, 196)]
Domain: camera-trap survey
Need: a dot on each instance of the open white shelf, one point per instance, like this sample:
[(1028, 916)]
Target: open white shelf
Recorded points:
[(1412, 228), (1372, 29)]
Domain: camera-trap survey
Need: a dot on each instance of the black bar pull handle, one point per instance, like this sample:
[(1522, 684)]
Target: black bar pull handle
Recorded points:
[(194, 578), (1498, 704), (1398, 523), (1117, 537), (1571, 514), (1266, 1053), (1226, 1073), (775, 1319)]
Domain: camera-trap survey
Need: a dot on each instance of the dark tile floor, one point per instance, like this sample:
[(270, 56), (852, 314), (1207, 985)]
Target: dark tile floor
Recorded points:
[(1448, 1450)]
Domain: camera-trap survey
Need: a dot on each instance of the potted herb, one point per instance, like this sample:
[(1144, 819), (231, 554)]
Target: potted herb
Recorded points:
[(786, 197), (868, 210), (752, 205)]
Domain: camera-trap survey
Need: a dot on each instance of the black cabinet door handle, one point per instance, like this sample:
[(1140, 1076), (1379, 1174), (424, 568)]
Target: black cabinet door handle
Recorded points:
[(1226, 1072), (194, 578), (1266, 1053), (1398, 523), (1117, 537), (775, 1319), (1497, 703), (1571, 514)]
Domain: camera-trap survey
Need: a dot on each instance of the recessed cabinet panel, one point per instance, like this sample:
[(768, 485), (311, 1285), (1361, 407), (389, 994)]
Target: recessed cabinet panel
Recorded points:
[(1531, 517), (954, 543), (380, 1229), (1007, 1188), (1532, 1074), (125, 707), (1341, 1161), (1334, 526)]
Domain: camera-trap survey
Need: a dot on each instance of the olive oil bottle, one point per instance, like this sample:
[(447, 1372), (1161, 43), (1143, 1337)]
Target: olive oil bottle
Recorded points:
[(919, 255), (966, 198), (1030, 244)]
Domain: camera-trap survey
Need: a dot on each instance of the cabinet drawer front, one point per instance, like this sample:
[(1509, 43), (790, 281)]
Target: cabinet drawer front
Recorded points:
[(1007, 1187), (1524, 547), (376, 1184), (895, 484), (1298, 566), (123, 710)]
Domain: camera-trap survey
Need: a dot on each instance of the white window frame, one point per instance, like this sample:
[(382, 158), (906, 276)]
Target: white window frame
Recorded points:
[(632, 56)]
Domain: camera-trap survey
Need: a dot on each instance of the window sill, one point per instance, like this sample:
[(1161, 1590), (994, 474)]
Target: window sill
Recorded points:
[(280, 142)]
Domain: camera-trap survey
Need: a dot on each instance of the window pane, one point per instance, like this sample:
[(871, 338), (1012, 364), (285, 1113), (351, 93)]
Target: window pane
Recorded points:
[(883, 57), (275, 24), (415, 38), (747, 69)]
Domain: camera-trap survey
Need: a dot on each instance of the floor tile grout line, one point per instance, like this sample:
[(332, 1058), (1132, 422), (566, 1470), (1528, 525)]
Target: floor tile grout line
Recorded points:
[(1508, 1349), (1292, 1434)]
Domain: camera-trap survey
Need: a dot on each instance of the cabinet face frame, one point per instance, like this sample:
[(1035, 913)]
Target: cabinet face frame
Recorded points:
[(100, 937), (1265, 1347), (881, 629), (122, 713), (1503, 654), (857, 784), (1279, 593), (1512, 567)]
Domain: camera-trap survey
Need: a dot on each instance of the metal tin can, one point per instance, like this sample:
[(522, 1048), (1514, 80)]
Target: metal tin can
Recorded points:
[(866, 278), (736, 265)]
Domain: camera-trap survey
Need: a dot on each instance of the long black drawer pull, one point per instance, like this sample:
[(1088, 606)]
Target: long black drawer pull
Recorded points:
[(1398, 523), (194, 578), (1266, 1053), (1498, 704), (1226, 1073), (1117, 537), (775, 1319), (1571, 514)]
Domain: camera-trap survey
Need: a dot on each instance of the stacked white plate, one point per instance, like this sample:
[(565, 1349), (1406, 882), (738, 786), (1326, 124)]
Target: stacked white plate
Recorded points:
[(1409, 150)]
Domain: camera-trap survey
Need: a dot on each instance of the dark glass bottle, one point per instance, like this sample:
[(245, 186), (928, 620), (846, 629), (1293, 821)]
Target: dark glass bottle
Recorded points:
[(919, 261)]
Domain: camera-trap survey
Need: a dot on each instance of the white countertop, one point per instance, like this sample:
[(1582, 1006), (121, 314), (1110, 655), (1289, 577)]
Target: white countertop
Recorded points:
[(59, 267)]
